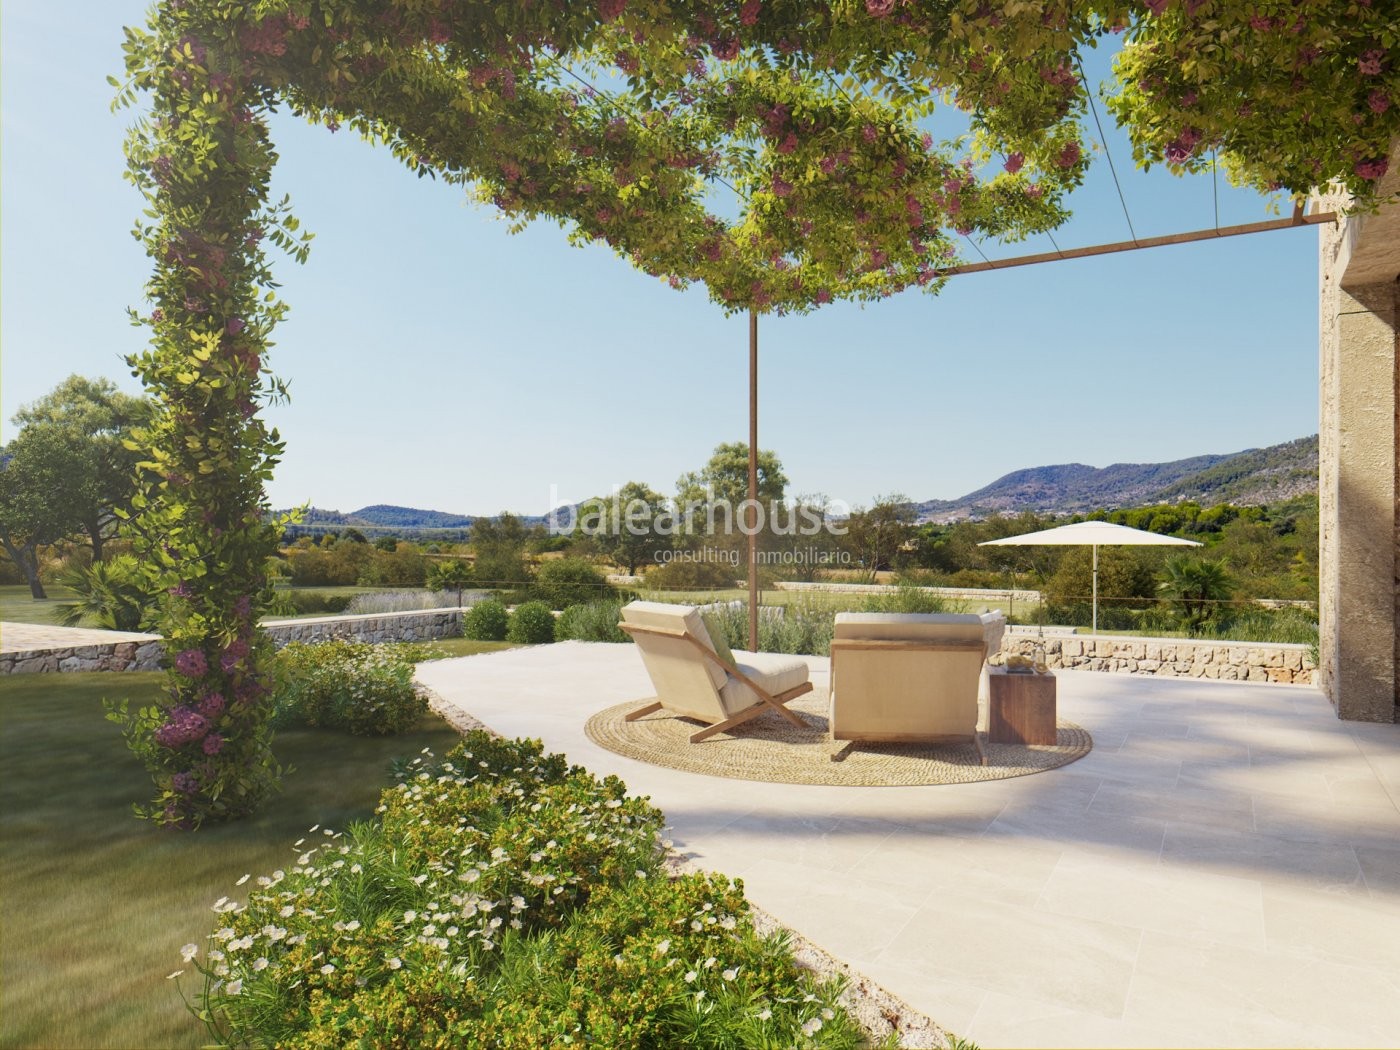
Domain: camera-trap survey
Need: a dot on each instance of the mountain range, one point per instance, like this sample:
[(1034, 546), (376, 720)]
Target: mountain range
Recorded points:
[(1254, 476)]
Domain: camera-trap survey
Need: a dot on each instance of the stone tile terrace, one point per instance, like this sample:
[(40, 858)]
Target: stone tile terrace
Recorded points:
[(1222, 870)]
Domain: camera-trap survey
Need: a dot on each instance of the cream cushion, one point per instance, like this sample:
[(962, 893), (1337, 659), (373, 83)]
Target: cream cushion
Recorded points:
[(677, 618), (774, 672)]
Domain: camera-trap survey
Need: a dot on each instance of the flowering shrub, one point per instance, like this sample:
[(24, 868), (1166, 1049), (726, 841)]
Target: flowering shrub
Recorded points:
[(502, 898), (363, 689), (531, 624), (486, 622)]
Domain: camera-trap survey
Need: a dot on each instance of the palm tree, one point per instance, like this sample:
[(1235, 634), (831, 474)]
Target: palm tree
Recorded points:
[(1196, 585), (112, 593)]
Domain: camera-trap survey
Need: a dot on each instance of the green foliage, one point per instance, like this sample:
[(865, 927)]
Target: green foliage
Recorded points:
[(112, 594), (531, 624), (907, 597), (630, 526), (500, 545), (362, 689), (486, 622), (686, 574), (569, 581), (403, 567), (800, 628), (724, 479), (1196, 586), (503, 898), (875, 537), (300, 603), (595, 621), (387, 544), (454, 575), (93, 420)]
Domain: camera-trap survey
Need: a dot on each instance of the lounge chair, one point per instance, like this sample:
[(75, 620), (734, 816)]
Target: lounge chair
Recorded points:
[(910, 677), (695, 679)]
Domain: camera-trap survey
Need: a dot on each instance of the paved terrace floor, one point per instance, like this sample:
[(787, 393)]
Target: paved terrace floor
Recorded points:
[(1222, 870), (27, 637)]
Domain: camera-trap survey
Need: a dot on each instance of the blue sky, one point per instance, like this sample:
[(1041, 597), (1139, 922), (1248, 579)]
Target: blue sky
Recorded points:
[(437, 361)]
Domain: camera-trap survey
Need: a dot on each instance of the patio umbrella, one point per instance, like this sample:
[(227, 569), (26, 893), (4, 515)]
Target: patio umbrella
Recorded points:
[(1090, 533)]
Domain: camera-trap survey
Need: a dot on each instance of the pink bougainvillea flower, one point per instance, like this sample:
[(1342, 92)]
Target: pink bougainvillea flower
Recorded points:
[(823, 296), (1372, 169), (610, 10), (235, 325), (1378, 101), (1069, 156), (213, 744), (780, 187), (192, 663), (879, 8), (1014, 162), (1370, 63), (726, 48), (748, 11), (868, 132)]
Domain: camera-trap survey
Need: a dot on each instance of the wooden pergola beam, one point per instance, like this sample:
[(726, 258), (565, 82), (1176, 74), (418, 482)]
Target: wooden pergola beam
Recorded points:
[(1298, 219)]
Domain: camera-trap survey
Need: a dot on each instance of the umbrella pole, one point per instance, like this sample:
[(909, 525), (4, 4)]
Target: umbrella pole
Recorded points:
[(1095, 629), (753, 481)]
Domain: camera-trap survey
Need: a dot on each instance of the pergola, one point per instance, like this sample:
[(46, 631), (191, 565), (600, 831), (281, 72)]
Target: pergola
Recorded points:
[(775, 152)]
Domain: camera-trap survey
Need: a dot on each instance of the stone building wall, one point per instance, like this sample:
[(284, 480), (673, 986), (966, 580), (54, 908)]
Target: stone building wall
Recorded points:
[(1359, 461)]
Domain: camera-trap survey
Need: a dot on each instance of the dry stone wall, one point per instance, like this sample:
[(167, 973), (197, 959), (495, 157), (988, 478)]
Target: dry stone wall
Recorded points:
[(145, 655), (1170, 657)]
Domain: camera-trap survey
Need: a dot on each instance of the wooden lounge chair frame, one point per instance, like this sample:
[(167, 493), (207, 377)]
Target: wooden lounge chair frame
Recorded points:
[(770, 701), (840, 645)]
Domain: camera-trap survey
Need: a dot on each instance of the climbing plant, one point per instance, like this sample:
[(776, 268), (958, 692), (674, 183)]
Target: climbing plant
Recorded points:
[(780, 153)]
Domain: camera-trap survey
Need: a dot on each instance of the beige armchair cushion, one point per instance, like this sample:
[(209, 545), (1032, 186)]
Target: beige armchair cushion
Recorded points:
[(774, 672), (908, 676)]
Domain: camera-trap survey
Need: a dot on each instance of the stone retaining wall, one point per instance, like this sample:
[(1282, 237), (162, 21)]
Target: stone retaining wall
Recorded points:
[(419, 626), (118, 656), (1170, 657)]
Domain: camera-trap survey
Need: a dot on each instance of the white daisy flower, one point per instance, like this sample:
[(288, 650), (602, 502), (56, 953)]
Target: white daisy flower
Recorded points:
[(189, 951), (234, 987)]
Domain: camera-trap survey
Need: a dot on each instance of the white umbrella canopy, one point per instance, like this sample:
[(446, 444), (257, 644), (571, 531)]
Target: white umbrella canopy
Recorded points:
[(1094, 534)]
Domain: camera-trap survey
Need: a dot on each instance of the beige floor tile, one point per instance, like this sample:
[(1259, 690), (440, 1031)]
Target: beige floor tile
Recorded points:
[(1327, 820), (1381, 868), (822, 905), (1106, 832), (1246, 998), (1005, 870), (1080, 963), (1352, 930), (1180, 805), (1008, 1021), (1152, 897), (1267, 858)]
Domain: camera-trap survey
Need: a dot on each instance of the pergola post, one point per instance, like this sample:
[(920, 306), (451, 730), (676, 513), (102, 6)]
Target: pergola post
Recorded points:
[(752, 515)]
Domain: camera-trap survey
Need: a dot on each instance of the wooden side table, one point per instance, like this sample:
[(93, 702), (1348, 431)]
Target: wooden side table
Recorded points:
[(1021, 707)]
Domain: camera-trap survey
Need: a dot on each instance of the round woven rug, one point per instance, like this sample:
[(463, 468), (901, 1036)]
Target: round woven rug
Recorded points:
[(771, 749)]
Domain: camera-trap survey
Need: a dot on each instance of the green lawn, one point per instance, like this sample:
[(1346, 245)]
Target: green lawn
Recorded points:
[(445, 647), (94, 904), (16, 606)]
